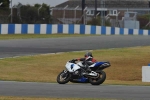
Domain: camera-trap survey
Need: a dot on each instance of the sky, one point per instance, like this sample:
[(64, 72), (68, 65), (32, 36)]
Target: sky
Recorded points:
[(52, 3)]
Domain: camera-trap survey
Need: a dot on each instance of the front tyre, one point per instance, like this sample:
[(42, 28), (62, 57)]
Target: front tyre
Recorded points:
[(98, 80), (63, 77)]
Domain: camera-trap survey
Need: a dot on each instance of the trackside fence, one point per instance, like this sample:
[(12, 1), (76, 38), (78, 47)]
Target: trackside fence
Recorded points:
[(68, 29)]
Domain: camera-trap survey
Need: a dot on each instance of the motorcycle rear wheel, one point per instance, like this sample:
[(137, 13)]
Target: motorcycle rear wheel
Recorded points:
[(99, 80), (63, 78)]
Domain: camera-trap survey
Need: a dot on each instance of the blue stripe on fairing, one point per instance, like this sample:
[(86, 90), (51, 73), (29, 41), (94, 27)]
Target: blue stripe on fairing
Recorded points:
[(72, 65), (71, 28), (49, 29), (37, 28), (99, 63), (11, 28), (24, 28)]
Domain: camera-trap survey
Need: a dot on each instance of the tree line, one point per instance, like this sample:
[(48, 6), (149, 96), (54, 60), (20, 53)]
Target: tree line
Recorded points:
[(39, 13), (35, 14), (4, 3)]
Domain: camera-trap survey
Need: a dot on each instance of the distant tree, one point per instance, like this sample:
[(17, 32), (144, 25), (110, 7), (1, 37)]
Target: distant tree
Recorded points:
[(94, 21), (35, 14), (29, 14), (144, 19), (37, 5), (44, 14), (97, 21), (5, 3)]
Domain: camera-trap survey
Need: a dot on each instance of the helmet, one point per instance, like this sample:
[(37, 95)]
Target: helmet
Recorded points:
[(87, 54)]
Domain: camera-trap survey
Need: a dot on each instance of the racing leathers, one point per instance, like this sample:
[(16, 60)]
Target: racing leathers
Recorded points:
[(87, 61)]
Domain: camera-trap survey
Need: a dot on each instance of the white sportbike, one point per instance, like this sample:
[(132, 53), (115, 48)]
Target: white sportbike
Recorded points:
[(76, 72)]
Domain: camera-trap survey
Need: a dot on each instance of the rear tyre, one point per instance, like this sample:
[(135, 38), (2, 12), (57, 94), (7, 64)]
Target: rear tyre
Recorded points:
[(99, 80), (63, 77)]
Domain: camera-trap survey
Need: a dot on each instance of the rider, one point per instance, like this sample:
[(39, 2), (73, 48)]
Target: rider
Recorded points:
[(87, 60)]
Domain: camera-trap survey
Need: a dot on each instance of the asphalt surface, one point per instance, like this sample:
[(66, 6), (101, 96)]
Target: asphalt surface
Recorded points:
[(21, 47), (27, 89)]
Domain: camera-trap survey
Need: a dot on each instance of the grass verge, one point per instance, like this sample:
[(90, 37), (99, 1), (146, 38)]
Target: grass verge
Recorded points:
[(28, 36), (126, 65)]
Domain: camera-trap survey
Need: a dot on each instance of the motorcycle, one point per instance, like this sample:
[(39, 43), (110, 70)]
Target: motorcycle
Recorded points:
[(76, 72)]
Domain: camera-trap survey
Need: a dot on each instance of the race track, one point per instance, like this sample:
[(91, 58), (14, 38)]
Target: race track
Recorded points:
[(28, 89), (19, 47)]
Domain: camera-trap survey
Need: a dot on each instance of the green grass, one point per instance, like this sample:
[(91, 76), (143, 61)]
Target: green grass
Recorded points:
[(126, 65), (28, 36)]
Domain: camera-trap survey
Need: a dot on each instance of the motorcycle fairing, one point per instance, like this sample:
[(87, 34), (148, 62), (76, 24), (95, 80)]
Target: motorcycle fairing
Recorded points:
[(71, 67), (97, 64), (83, 79)]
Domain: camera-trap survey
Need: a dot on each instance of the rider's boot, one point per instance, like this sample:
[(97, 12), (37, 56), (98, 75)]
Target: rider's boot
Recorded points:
[(88, 70)]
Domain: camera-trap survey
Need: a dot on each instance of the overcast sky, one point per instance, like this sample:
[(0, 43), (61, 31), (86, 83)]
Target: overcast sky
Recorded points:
[(52, 3)]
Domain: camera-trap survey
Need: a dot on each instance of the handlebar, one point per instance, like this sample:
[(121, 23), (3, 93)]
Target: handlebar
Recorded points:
[(73, 61)]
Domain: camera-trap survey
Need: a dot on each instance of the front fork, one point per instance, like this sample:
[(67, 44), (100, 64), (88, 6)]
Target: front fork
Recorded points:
[(65, 71)]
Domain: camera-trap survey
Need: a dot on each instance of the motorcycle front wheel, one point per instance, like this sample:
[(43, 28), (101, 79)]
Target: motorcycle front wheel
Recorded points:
[(63, 77), (98, 80)]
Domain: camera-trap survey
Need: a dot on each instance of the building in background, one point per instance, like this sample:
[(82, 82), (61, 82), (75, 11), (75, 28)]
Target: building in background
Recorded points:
[(120, 13), (70, 12)]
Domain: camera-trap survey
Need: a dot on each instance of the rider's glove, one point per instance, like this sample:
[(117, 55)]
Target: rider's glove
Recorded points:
[(73, 60)]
